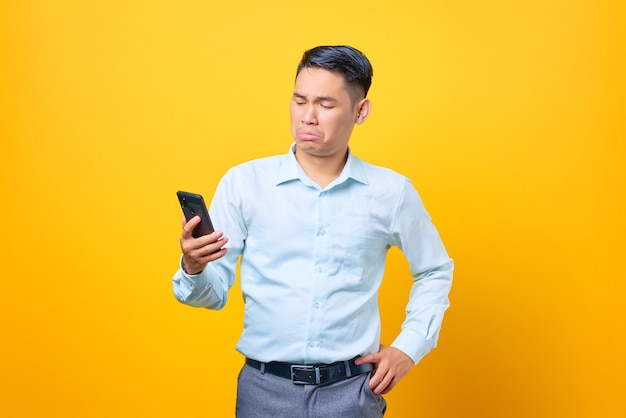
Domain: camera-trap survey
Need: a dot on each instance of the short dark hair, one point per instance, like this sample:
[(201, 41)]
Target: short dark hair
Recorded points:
[(344, 60)]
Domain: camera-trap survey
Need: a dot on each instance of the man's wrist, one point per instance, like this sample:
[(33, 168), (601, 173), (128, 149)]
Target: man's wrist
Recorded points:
[(184, 268)]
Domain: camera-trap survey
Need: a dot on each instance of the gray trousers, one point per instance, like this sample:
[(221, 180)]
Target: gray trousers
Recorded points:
[(262, 395)]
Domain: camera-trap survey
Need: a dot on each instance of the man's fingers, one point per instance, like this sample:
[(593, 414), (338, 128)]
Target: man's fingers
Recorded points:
[(202, 249), (197, 254), (215, 255), (387, 387), (369, 358), (203, 245), (189, 226), (379, 381), (382, 381), (391, 365)]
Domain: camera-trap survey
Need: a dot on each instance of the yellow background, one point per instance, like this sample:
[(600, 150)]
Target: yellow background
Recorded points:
[(508, 116)]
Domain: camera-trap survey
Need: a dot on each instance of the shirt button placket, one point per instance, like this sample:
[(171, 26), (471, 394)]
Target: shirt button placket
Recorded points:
[(319, 269)]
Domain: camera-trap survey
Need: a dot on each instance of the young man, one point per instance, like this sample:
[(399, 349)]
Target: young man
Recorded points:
[(312, 228)]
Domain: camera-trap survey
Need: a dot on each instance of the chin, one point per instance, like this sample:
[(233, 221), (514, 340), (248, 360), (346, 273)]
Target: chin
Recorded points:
[(306, 144)]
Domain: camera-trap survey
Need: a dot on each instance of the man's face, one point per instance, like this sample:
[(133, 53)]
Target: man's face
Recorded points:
[(322, 113)]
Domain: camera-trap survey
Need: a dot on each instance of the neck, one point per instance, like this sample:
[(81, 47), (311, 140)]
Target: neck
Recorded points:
[(322, 170)]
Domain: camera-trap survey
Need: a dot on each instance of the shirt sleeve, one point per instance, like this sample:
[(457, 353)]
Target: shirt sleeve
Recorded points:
[(209, 289), (431, 269), (204, 290)]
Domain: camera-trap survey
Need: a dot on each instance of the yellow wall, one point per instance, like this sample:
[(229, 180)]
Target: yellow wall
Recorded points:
[(508, 116)]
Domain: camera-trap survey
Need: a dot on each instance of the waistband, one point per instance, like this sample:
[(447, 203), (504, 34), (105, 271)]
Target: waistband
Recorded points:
[(312, 374)]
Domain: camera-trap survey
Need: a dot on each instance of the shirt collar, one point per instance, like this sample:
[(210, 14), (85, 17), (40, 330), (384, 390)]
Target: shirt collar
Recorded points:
[(290, 170)]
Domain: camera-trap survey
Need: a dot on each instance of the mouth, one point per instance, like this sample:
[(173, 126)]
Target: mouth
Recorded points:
[(307, 135)]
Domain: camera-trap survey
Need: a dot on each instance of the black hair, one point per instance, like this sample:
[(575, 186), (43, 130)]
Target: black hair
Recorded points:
[(344, 60)]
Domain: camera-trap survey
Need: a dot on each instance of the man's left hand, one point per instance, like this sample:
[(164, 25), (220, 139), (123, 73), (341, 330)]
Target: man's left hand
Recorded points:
[(392, 365)]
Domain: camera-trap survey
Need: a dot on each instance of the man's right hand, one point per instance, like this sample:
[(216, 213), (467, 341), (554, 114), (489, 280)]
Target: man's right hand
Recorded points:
[(198, 252)]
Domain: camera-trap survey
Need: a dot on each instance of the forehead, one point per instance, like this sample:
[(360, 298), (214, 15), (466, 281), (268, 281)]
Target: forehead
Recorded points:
[(314, 81)]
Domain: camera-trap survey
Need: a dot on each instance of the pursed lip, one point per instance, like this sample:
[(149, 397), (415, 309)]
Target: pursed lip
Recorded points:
[(307, 135)]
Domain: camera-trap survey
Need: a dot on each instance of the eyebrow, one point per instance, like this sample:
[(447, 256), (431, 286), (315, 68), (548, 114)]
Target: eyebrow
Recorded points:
[(318, 98)]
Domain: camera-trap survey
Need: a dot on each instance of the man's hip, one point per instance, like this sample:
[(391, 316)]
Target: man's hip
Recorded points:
[(261, 393)]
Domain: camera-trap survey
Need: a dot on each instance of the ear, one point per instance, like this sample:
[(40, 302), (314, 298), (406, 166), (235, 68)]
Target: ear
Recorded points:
[(363, 108)]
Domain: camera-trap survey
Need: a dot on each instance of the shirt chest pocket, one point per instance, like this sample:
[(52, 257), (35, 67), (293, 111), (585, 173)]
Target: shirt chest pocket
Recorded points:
[(364, 261)]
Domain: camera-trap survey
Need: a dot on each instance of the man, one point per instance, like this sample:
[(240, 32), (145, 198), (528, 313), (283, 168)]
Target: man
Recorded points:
[(312, 228)]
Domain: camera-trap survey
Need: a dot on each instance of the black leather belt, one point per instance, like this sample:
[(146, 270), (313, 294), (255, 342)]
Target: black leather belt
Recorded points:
[(312, 374)]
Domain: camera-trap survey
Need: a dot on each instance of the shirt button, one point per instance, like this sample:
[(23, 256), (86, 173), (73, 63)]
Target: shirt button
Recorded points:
[(316, 305), (322, 232)]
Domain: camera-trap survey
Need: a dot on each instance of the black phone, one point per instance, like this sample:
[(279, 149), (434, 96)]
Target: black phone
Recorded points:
[(192, 205)]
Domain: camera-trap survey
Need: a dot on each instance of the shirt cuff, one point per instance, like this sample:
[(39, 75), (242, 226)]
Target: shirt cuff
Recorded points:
[(413, 345)]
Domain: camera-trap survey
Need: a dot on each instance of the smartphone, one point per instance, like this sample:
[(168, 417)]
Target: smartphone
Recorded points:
[(192, 205)]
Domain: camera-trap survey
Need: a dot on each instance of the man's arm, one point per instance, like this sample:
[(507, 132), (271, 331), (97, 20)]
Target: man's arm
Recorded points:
[(393, 362), (208, 265), (196, 283), (431, 269)]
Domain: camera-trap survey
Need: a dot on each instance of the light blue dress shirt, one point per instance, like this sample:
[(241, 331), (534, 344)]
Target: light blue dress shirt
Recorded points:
[(312, 261)]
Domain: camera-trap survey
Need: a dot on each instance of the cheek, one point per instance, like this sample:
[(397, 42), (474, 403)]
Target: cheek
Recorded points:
[(338, 126)]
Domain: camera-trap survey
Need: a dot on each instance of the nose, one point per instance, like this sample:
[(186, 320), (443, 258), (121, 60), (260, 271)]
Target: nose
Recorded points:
[(309, 117)]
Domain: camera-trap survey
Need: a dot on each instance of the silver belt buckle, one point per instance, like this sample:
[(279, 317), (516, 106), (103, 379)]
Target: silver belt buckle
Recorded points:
[(311, 373)]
